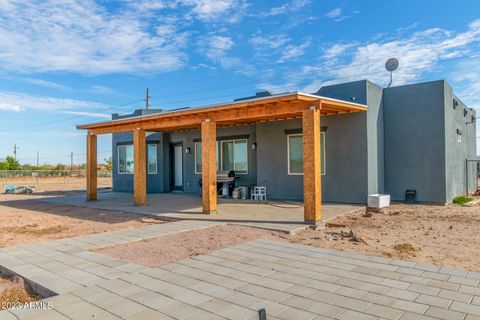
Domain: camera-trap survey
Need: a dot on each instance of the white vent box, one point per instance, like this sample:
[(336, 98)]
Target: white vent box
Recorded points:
[(378, 200)]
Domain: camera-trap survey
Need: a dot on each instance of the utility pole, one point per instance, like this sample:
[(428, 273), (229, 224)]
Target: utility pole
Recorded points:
[(15, 148), (38, 159), (71, 160), (146, 101)]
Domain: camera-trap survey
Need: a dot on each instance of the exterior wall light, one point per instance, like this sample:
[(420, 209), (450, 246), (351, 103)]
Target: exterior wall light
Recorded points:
[(188, 150), (455, 103), (254, 146)]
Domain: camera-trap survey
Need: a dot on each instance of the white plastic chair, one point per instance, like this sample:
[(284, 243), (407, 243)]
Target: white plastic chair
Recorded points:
[(259, 193)]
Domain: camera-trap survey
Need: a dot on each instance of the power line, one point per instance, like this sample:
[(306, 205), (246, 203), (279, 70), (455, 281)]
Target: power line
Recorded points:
[(299, 75), (227, 86), (302, 74)]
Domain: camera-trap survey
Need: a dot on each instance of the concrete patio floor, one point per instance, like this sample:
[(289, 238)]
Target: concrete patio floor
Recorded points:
[(289, 281), (274, 215)]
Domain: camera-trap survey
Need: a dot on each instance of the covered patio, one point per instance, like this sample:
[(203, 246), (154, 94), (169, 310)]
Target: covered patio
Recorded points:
[(295, 105), (277, 215)]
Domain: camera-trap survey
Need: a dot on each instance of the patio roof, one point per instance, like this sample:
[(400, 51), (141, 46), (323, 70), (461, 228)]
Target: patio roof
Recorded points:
[(296, 105), (270, 108)]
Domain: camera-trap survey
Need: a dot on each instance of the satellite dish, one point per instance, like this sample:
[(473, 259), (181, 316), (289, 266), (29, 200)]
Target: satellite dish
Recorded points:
[(391, 65)]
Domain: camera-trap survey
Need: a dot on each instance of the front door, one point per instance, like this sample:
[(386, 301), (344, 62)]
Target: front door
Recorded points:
[(177, 181)]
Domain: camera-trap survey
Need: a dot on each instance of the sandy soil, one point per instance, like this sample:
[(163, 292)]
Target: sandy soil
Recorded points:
[(13, 289), (53, 183), (446, 236), (25, 220), (442, 235), (170, 248)]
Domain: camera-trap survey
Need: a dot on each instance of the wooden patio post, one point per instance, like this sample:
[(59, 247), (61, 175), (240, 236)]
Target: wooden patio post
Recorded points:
[(139, 168), (209, 167), (312, 178), (91, 167)]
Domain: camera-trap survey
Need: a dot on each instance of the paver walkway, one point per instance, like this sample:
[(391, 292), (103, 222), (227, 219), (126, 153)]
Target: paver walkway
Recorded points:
[(290, 281)]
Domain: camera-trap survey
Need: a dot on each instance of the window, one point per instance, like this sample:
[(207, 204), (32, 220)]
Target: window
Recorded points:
[(295, 154), (231, 155), (152, 158), (198, 157), (125, 159)]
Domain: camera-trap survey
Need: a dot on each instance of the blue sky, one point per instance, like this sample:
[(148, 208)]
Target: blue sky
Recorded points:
[(63, 63)]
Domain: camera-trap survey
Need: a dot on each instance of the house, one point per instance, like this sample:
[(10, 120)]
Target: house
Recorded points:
[(370, 140)]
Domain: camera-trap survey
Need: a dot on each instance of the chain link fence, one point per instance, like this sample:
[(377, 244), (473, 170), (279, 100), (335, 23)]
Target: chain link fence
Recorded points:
[(52, 180)]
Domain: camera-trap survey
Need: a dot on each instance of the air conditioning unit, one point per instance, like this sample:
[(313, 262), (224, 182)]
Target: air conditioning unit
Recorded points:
[(378, 200)]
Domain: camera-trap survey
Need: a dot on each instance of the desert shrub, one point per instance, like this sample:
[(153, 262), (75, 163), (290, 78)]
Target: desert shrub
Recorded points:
[(461, 200)]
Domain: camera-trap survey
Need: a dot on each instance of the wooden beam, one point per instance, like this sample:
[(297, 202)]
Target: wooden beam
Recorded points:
[(209, 167), (312, 179), (140, 168), (91, 167)]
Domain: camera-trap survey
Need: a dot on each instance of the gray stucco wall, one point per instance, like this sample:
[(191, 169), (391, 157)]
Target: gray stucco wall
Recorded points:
[(415, 141), (406, 140), (191, 180), (124, 182), (355, 156), (458, 118)]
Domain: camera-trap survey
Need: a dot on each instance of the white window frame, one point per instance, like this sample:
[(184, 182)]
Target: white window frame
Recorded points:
[(118, 158), (219, 155), (195, 152), (288, 153), (156, 158)]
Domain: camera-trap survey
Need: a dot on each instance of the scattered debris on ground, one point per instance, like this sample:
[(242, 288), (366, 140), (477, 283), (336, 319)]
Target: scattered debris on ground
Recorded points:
[(442, 235), (14, 290)]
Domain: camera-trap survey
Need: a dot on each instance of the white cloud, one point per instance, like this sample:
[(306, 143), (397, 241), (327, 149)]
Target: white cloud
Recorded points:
[(90, 114), (208, 10), (82, 37), (216, 48), (261, 42), (417, 54), (287, 7), (47, 84), (102, 90), (293, 51), (337, 50), (335, 13), (10, 107), (15, 101)]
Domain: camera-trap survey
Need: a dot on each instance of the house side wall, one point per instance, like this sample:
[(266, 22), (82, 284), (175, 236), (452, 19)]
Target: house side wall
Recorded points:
[(415, 141), (375, 139), (191, 180), (348, 147), (457, 152), (124, 182)]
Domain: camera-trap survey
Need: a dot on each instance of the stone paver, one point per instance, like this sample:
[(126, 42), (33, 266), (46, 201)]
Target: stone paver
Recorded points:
[(289, 281)]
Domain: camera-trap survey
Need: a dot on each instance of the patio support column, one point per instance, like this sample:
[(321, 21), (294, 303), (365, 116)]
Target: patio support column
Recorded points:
[(139, 168), (91, 167), (312, 179), (209, 167)]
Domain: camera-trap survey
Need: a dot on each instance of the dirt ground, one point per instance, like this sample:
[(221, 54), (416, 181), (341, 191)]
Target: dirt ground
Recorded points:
[(170, 248), (442, 235), (13, 290), (26, 220), (42, 184)]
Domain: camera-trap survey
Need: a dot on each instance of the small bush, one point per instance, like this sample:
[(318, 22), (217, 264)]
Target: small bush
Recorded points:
[(461, 200)]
